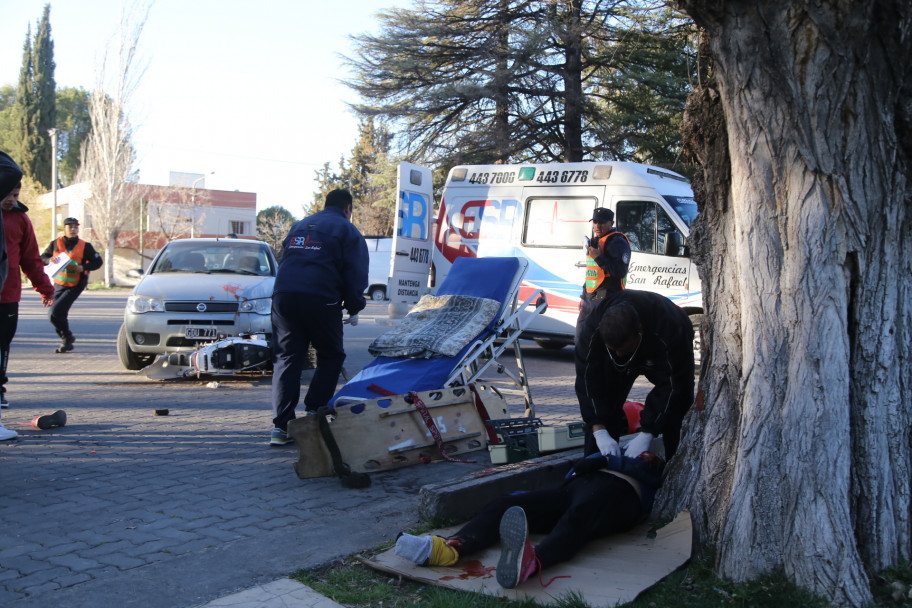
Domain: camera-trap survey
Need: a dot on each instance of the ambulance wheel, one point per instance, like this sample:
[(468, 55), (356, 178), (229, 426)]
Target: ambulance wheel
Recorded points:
[(130, 360), (550, 344), (377, 294)]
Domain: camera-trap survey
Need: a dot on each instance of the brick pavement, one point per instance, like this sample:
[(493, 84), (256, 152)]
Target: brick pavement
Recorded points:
[(121, 507)]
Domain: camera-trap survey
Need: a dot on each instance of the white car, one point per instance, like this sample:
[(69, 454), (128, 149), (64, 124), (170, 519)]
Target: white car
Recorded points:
[(197, 291)]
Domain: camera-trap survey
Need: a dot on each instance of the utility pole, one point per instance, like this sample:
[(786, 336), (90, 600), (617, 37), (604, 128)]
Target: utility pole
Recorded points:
[(53, 134), (142, 234)]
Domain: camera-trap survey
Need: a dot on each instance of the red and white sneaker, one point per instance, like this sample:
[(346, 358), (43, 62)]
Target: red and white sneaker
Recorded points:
[(517, 556)]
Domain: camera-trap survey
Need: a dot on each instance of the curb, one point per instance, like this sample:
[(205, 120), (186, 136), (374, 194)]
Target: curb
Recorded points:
[(459, 499)]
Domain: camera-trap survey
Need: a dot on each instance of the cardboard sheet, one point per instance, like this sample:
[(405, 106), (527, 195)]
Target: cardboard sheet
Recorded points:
[(607, 571)]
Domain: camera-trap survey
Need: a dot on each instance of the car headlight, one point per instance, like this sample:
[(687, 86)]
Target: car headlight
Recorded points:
[(260, 306), (141, 304)]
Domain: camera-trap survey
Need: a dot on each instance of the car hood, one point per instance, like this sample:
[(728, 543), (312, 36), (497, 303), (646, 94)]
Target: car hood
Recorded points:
[(204, 287)]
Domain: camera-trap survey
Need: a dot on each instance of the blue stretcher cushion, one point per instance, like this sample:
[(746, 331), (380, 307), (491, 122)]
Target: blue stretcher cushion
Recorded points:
[(481, 277)]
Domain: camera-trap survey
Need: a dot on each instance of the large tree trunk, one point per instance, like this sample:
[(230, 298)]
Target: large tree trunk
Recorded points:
[(797, 455), (572, 41)]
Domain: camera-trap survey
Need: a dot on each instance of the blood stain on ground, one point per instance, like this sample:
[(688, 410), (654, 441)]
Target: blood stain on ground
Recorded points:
[(471, 569)]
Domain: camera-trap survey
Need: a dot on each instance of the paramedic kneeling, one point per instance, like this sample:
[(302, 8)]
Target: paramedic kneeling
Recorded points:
[(629, 334), (323, 271)]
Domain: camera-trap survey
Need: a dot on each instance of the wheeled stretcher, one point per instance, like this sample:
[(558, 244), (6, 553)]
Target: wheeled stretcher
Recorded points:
[(402, 410)]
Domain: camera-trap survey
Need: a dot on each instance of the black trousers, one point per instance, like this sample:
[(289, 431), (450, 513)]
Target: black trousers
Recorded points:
[(585, 508), (64, 297), (9, 322), (299, 320)]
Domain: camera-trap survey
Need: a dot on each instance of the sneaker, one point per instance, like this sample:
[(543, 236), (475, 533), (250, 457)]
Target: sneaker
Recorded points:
[(280, 437), (3, 402), (66, 345), (517, 557), (5, 433), (47, 421)]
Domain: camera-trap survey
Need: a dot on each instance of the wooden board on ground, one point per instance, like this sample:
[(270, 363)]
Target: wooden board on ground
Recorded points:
[(389, 433), (606, 572)]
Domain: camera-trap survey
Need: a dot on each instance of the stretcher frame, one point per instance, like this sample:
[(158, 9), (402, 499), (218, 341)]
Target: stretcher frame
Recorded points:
[(472, 398)]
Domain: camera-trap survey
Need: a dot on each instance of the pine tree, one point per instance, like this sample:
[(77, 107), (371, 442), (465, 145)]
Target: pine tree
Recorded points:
[(480, 81), (73, 126), (375, 197)]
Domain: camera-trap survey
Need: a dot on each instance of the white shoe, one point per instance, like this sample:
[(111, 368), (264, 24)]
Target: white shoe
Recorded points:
[(5, 433), (3, 402)]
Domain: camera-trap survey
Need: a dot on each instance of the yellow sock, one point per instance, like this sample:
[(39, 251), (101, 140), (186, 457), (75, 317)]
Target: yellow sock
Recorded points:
[(441, 553)]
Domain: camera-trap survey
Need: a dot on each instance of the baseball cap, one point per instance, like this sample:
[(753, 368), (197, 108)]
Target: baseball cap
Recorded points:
[(70, 220), (603, 215)]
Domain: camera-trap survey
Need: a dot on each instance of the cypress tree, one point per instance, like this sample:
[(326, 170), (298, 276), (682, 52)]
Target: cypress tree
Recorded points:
[(36, 108), (24, 106), (45, 114)]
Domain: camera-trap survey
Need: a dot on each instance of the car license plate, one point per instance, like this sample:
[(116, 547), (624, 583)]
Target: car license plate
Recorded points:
[(205, 333)]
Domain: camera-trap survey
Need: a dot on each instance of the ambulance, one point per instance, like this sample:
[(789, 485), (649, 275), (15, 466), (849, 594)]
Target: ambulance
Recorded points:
[(543, 212)]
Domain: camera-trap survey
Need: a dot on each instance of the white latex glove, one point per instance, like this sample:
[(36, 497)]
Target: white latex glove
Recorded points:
[(353, 320), (606, 443), (638, 445)]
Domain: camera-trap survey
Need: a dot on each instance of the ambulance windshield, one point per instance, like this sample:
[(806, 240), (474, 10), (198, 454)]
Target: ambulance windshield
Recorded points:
[(684, 206)]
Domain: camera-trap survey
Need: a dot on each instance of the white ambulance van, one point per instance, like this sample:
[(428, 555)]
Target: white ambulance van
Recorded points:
[(542, 212), (380, 251)]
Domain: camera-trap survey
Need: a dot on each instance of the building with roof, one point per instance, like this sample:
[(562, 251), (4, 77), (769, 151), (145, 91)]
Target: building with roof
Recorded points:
[(162, 214)]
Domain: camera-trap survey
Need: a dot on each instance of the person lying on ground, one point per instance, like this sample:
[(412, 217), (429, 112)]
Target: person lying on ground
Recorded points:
[(602, 495)]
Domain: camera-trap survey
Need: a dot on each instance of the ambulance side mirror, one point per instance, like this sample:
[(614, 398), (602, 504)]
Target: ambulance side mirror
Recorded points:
[(674, 243)]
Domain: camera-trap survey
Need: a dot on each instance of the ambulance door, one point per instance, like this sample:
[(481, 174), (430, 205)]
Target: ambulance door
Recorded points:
[(411, 248), (556, 223), (646, 224)]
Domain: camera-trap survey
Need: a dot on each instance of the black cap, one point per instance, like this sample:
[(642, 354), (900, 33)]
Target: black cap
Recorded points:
[(602, 215), (70, 220)]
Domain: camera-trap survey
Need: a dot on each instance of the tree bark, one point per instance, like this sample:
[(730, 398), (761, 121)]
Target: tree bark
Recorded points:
[(797, 455)]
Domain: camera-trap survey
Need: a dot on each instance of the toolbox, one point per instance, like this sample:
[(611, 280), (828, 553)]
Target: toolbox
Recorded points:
[(555, 438), (519, 439)]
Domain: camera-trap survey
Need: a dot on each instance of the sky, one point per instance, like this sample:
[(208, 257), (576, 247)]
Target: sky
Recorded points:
[(245, 93)]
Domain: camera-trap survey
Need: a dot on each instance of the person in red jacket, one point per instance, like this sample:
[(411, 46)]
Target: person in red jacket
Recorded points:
[(22, 252)]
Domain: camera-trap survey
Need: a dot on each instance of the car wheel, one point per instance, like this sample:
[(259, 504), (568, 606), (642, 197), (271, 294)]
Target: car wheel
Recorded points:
[(129, 359), (378, 294), (550, 344)]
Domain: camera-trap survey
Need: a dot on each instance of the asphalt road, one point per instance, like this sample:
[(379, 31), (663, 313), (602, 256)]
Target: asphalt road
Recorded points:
[(124, 508)]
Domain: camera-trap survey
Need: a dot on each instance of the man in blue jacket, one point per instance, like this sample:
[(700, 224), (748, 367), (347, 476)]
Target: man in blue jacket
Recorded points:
[(323, 271)]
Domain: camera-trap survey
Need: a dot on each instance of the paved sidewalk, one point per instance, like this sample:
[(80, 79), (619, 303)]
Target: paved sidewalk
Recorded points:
[(284, 593), (124, 508)]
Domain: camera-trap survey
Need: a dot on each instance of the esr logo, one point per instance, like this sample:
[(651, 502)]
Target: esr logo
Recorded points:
[(484, 219), (413, 215)]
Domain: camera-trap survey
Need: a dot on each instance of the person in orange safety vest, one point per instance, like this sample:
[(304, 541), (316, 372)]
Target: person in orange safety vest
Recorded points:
[(72, 279), (607, 259)]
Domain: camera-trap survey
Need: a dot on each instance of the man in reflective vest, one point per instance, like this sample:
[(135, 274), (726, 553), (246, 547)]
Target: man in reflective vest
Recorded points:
[(607, 259), (71, 279)]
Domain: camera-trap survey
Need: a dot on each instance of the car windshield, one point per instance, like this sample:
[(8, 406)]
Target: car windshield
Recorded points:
[(234, 257), (684, 206)]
